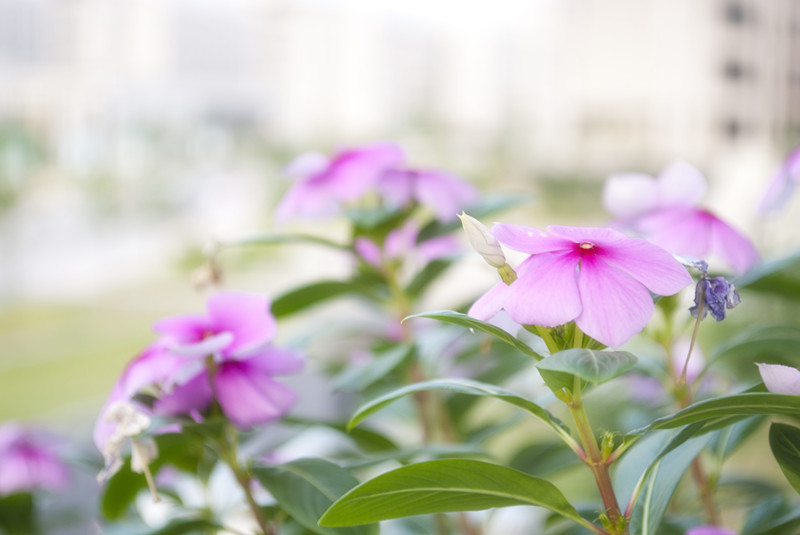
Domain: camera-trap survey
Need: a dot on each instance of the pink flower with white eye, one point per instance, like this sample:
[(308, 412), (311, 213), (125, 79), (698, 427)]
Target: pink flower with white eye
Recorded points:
[(665, 211), (598, 278), (780, 379), (324, 184), (28, 461), (782, 185)]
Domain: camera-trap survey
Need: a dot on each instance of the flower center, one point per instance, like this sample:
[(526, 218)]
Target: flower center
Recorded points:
[(586, 245), (585, 248)]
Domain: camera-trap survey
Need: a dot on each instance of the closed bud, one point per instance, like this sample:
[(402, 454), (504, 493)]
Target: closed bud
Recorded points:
[(482, 241)]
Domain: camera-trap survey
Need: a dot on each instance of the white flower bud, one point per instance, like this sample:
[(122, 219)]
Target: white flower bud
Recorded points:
[(482, 241)]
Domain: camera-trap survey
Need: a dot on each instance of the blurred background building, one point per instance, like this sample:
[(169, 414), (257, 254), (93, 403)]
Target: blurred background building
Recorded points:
[(119, 119)]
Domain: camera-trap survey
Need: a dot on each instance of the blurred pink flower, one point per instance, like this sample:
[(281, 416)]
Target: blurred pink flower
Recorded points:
[(782, 185), (780, 379), (597, 277), (28, 461), (401, 243), (324, 184), (235, 340), (665, 210), (444, 194)]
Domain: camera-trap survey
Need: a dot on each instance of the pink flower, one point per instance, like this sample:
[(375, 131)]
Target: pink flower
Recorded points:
[(28, 462), (599, 278), (665, 211), (780, 379), (401, 243), (782, 184), (235, 339), (444, 194), (324, 184)]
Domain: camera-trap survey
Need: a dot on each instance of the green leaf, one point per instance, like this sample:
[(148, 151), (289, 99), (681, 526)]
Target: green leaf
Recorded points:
[(461, 386), (17, 514), (734, 407), (444, 486), (300, 298), (661, 485), (463, 320), (275, 239), (306, 488), (358, 378), (589, 364), (784, 440), (771, 339), (120, 491), (778, 277)]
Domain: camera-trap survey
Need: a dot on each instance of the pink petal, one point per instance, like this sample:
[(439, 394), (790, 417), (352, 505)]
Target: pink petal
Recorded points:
[(277, 361), (732, 246), (629, 195), (352, 172), (681, 184), (436, 248), (529, 240), (446, 195), (780, 379), (306, 165), (193, 395), (597, 236), (489, 304), (309, 198), (247, 316), (183, 329), (649, 264), (396, 186), (615, 306), (782, 185), (710, 530), (210, 345), (368, 251), (546, 291), (249, 397), (679, 230)]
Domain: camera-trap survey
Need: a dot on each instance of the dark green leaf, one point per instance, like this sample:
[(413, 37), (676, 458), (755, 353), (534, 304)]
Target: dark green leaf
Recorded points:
[(461, 386), (306, 488), (772, 339), (784, 440), (471, 323), (444, 486), (120, 491), (545, 458), (590, 365), (189, 527), (300, 298), (17, 514), (778, 277)]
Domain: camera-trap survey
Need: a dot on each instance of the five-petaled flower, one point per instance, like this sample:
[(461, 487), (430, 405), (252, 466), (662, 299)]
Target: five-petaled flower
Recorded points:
[(597, 277), (665, 211)]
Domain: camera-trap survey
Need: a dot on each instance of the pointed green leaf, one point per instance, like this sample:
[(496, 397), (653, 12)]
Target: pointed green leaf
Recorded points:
[(463, 320), (444, 486), (300, 298), (589, 364), (461, 386), (194, 526), (779, 276), (358, 378), (306, 488), (734, 407), (770, 339), (784, 440)]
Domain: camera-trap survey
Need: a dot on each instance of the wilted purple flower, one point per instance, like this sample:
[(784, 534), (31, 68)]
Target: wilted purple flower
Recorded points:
[(444, 194), (710, 530), (665, 211), (780, 379), (324, 184), (716, 294), (28, 461), (597, 277), (782, 184)]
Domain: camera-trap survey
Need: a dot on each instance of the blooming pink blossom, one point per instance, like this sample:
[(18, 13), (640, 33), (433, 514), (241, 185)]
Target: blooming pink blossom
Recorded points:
[(401, 243), (323, 184), (782, 185), (28, 461), (599, 278), (226, 355), (780, 379), (665, 211)]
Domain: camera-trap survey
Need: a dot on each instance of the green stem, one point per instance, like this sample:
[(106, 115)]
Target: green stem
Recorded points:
[(596, 463)]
